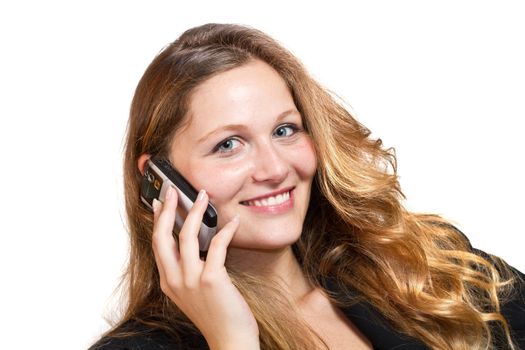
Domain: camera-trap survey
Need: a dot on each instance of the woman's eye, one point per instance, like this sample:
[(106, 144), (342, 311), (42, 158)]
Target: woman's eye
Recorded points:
[(285, 130), (229, 145), (226, 146)]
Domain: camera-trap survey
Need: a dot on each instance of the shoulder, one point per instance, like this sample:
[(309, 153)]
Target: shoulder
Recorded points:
[(512, 304), (133, 335)]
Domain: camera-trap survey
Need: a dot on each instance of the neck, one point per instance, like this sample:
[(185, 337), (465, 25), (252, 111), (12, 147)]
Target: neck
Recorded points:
[(279, 265)]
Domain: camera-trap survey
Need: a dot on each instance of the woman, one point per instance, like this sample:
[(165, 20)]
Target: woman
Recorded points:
[(314, 248)]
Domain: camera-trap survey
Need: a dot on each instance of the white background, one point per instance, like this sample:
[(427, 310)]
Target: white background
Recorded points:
[(443, 82)]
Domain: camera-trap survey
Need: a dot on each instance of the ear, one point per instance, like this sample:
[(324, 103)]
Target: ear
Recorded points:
[(141, 163)]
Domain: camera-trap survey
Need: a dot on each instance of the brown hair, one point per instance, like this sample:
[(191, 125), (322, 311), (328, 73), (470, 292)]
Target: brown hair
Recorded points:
[(416, 269)]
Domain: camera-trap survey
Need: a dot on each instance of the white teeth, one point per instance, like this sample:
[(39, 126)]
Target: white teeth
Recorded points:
[(280, 198)]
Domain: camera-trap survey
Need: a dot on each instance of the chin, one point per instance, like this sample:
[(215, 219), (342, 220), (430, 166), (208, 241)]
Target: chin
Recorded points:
[(265, 241)]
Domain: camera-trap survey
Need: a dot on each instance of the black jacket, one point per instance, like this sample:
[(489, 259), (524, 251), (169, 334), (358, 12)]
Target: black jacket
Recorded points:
[(365, 317)]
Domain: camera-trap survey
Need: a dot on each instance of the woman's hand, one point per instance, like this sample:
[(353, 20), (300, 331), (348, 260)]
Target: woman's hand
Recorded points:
[(202, 289)]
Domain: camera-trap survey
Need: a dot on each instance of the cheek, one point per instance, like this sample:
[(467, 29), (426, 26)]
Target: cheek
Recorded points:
[(221, 182), (304, 159)]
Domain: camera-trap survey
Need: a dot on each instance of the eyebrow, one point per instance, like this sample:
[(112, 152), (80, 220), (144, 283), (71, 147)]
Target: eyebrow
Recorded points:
[(234, 127)]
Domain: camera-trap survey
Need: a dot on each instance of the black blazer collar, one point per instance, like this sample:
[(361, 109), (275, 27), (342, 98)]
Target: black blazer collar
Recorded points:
[(374, 326)]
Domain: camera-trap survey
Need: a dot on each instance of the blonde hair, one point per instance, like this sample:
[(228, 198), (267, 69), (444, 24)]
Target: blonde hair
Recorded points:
[(418, 270)]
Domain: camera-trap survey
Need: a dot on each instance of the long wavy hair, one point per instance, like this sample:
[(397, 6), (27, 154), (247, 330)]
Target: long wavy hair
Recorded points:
[(416, 269)]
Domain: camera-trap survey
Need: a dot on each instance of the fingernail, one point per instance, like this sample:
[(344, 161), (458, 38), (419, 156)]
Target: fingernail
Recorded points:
[(236, 218), (156, 204), (201, 195), (169, 192)]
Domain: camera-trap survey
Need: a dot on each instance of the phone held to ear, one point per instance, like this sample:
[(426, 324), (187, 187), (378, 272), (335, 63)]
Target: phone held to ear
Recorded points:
[(159, 174)]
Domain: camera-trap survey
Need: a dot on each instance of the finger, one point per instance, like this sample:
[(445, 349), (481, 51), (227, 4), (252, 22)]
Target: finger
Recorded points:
[(163, 243), (160, 267), (165, 213), (219, 245), (170, 277), (188, 238), (157, 205)]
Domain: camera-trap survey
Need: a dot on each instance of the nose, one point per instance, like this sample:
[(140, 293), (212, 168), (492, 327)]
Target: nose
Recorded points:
[(269, 165)]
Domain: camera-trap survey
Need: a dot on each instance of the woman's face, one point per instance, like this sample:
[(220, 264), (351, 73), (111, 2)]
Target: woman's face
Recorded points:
[(246, 146)]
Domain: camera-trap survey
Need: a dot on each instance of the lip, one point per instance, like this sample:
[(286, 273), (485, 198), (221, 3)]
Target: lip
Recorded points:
[(271, 194), (274, 209)]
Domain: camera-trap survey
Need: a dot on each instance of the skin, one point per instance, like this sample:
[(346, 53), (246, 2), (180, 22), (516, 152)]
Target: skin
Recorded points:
[(265, 152), (254, 163)]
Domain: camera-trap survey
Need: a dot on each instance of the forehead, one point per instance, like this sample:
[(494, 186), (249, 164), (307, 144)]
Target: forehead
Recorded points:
[(241, 95)]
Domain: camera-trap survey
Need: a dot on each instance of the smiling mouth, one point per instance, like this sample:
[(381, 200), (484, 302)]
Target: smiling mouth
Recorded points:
[(269, 201)]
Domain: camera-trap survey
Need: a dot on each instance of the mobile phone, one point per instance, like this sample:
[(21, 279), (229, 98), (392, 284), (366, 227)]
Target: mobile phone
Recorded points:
[(159, 174)]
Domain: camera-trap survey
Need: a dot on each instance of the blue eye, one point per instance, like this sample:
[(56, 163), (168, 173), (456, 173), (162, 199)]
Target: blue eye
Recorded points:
[(226, 146), (285, 130), (229, 145)]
